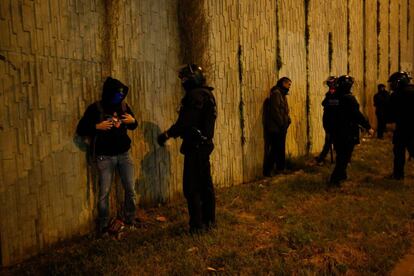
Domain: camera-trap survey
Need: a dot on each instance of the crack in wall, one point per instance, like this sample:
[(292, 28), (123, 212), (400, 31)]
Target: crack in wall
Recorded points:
[(308, 113), (378, 38)]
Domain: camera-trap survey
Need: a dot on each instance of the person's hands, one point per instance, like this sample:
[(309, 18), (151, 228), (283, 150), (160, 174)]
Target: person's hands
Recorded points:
[(162, 138), (104, 125), (127, 119), (371, 132)]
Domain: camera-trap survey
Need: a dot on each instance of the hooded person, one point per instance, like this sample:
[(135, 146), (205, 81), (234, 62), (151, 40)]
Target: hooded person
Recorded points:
[(277, 121), (106, 123)]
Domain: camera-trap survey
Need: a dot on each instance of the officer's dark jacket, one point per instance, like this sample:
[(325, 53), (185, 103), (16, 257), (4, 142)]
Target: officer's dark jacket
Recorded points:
[(401, 111), (348, 118), (381, 100), (198, 112), (110, 142), (277, 118), (330, 109)]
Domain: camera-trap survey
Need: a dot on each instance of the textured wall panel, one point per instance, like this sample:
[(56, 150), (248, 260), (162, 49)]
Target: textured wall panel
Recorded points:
[(383, 23), (53, 62), (224, 77), (293, 52), (356, 47), (258, 59), (318, 21), (370, 57), (145, 55)]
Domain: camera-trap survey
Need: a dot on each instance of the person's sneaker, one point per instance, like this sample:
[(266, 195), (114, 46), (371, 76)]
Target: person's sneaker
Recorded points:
[(102, 233), (135, 224), (267, 175)]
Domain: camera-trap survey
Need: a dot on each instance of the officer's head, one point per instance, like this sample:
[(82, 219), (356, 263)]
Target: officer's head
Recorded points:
[(284, 83), (381, 87), (398, 80), (330, 81), (343, 84), (191, 76)]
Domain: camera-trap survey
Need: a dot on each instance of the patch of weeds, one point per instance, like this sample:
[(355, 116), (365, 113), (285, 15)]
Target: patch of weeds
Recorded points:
[(308, 184)]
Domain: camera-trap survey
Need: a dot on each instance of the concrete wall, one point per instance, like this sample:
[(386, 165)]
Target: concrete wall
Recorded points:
[(55, 55)]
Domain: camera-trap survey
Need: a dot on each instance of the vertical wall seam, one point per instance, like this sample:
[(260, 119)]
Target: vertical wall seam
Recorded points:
[(348, 34), (408, 20), (399, 36), (364, 46), (279, 62), (389, 37), (241, 99), (330, 52), (378, 38), (308, 114)]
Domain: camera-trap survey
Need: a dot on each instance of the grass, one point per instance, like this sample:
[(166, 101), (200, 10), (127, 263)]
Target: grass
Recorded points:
[(290, 224)]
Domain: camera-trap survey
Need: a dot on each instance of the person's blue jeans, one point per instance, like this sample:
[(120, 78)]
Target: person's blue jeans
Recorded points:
[(125, 167)]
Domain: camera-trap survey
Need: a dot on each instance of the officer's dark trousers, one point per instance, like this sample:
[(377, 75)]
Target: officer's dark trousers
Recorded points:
[(401, 144), (381, 125), (343, 157), (275, 152), (199, 190), (326, 147)]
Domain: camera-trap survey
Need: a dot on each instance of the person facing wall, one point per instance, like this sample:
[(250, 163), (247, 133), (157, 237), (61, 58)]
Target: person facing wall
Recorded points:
[(381, 99), (276, 124)]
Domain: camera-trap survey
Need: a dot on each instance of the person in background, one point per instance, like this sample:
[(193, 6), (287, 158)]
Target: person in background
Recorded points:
[(328, 103), (381, 99), (277, 121)]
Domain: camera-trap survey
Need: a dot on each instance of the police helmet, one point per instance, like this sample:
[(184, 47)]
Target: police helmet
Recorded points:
[(193, 74), (344, 83), (399, 79)]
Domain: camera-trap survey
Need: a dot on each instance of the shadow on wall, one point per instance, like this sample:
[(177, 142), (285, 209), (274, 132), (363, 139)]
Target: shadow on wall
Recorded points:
[(153, 185), (83, 144)]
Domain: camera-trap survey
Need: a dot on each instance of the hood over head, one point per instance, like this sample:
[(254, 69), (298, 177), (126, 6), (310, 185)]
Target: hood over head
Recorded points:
[(113, 92)]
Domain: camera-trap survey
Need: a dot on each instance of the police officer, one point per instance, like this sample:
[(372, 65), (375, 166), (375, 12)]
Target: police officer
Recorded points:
[(195, 125), (381, 99), (328, 103), (345, 127), (401, 112)]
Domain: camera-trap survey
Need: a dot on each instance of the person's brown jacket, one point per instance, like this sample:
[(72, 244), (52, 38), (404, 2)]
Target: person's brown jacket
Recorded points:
[(278, 119)]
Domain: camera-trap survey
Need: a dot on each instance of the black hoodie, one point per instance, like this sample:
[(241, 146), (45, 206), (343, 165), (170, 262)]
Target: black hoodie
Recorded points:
[(115, 140)]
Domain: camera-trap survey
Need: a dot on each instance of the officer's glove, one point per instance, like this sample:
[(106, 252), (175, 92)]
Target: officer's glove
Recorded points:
[(162, 138)]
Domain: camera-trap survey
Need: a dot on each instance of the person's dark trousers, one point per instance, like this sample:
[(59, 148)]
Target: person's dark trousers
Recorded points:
[(326, 148), (198, 190), (381, 125), (276, 153), (343, 157)]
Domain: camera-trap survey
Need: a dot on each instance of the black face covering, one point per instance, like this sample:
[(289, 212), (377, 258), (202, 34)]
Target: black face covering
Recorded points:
[(189, 85)]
